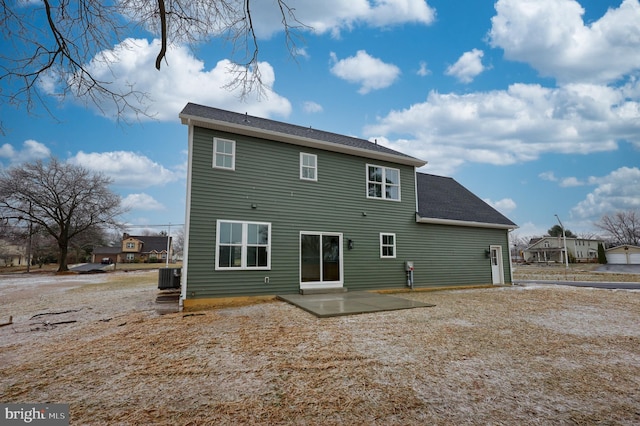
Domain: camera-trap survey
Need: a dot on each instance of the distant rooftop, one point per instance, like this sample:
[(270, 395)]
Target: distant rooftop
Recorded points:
[(151, 243)]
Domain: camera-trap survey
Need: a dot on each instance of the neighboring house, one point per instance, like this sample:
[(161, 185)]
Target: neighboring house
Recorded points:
[(106, 255), (551, 249), (623, 255), (274, 208), (139, 249), (12, 254)]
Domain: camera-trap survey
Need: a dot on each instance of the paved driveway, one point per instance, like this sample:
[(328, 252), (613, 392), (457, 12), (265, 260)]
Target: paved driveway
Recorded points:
[(91, 267), (593, 284)]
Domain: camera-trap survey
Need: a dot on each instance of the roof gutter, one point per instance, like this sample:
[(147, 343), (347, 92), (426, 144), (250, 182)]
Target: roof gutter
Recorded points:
[(452, 222), (297, 140)]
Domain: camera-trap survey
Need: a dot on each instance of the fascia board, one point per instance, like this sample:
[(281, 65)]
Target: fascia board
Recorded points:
[(471, 224), (297, 140)]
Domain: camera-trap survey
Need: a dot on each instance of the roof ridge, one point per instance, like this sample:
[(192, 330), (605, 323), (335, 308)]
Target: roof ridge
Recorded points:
[(220, 119)]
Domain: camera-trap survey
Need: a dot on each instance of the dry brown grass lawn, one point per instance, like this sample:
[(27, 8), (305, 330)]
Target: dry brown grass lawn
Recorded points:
[(514, 355)]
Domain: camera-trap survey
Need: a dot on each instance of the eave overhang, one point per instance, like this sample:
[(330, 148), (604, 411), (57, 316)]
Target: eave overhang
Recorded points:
[(224, 126), (471, 224)]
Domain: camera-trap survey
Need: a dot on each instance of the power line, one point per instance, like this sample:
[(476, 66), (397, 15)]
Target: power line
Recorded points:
[(152, 226)]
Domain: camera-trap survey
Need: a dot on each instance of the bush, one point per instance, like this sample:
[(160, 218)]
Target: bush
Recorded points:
[(602, 257)]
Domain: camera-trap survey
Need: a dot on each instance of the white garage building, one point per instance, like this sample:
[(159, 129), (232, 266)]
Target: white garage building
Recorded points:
[(623, 255)]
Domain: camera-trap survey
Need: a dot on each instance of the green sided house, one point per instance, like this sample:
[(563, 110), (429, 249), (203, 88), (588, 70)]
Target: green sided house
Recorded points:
[(274, 208)]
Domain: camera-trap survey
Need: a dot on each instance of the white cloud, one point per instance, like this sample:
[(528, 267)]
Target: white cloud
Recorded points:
[(570, 182), (423, 71), (334, 16), (312, 107), (301, 52), (141, 201), (468, 66), (127, 169), (567, 182), (504, 206), (31, 150), (510, 126), (552, 37), (550, 176), (7, 151), (183, 78), (528, 230), (618, 191), (371, 73)]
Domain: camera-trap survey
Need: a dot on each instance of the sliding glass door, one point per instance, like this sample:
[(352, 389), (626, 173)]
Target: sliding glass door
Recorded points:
[(320, 260)]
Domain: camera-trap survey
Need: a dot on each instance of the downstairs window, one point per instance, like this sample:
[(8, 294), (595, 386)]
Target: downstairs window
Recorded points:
[(243, 245)]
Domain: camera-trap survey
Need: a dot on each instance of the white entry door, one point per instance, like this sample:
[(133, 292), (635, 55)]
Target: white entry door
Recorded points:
[(497, 271)]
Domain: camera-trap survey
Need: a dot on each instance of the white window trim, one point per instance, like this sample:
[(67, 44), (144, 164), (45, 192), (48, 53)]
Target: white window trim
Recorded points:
[(215, 153), (302, 166), (383, 234), (384, 193), (243, 255)]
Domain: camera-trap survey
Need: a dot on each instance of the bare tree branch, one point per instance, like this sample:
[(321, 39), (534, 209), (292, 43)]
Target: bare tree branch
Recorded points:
[(163, 32), (51, 48), (622, 227)]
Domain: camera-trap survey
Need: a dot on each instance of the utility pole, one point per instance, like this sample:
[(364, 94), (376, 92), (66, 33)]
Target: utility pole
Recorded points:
[(29, 241), (166, 265), (564, 239)]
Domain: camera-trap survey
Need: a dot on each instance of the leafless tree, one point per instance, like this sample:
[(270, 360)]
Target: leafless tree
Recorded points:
[(556, 231), (64, 200), (81, 247), (54, 43), (622, 227), (589, 235), (43, 247), (178, 241)]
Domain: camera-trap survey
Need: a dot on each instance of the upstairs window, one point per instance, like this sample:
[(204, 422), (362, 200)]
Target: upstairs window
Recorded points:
[(243, 245), (383, 182), (308, 166), (224, 154), (388, 246)]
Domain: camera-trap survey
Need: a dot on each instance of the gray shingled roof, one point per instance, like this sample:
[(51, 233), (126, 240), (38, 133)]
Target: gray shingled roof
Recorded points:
[(215, 114), (151, 243), (107, 250), (445, 199)]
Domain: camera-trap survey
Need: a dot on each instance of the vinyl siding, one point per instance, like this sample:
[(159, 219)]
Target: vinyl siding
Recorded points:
[(267, 175)]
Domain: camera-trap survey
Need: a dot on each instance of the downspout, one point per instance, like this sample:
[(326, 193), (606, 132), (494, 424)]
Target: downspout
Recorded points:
[(510, 258)]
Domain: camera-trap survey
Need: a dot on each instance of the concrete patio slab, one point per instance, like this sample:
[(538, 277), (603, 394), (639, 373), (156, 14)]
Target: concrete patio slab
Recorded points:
[(350, 303)]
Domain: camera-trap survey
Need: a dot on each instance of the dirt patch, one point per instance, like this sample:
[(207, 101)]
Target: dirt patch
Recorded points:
[(513, 355)]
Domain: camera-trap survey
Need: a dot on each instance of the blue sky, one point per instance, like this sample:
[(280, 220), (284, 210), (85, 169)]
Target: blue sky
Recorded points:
[(534, 105)]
